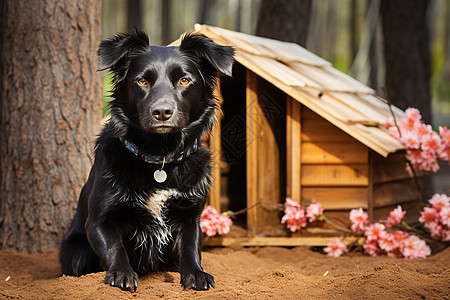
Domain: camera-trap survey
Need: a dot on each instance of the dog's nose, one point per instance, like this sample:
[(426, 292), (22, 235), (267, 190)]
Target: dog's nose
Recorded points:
[(162, 111)]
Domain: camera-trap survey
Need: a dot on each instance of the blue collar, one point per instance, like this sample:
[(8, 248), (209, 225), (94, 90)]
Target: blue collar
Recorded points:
[(158, 160)]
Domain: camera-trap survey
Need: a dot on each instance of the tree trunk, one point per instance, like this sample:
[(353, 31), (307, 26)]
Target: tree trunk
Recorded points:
[(50, 109), (446, 74), (166, 28), (407, 54), (134, 14), (285, 20)]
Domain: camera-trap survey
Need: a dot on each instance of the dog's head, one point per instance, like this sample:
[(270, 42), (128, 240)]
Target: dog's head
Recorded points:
[(163, 90)]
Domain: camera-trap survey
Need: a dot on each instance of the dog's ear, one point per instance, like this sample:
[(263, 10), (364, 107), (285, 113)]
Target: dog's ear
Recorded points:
[(112, 50), (204, 50)]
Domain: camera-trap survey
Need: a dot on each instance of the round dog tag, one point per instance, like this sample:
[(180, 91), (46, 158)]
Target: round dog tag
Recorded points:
[(160, 176)]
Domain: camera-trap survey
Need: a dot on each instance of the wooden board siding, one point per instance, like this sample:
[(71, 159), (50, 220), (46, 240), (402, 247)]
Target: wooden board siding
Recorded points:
[(252, 153), (336, 197), (333, 153), (396, 192), (293, 149), (334, 175), (392, 184), (334, 165), (412, 212)]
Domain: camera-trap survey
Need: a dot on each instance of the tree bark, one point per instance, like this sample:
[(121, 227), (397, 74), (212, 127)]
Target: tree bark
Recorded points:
[(285, 20), (50, 103), (407, 54)]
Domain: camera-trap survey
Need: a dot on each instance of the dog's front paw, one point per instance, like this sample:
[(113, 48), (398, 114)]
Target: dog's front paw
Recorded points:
[(197, 280), (126, 280)]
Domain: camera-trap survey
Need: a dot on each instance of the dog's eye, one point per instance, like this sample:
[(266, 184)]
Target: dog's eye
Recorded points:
[(142, 82), (184, 81)]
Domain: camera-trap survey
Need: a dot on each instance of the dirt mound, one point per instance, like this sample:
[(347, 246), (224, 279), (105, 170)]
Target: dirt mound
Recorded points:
[(244, 273)]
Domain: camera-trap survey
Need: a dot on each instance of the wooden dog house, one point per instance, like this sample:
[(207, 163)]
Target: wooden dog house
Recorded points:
[(293, 126)]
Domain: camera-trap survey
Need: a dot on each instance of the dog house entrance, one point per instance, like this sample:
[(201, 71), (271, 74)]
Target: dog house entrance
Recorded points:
[(252, 152)]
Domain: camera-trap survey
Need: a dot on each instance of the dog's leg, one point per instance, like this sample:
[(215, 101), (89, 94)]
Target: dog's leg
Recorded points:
[(75, 254), (189, 241), (106, 241)]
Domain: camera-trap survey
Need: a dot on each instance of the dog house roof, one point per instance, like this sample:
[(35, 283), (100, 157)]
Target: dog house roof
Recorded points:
[(312, 81)]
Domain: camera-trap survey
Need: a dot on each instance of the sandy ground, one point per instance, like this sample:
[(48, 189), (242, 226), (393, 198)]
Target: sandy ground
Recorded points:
[(244, 273)]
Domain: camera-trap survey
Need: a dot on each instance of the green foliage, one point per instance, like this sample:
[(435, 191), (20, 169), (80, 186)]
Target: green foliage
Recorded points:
[(106, 93)]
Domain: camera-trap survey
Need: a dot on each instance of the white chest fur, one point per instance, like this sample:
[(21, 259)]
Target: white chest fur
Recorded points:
[(155, 234), (156, 202)]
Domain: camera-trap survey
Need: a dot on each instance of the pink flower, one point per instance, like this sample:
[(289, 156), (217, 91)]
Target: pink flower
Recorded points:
[(436, 230), (422, 130), (212, 223), (396, 216), (373, 232), (414, 247), (387, 241), (372, 249), (410, 140), (428, 216), (423, 145), (294, 217), (393, 131), (438, 201), (335, 248), (445, 215), (431, 142), (445, 135), (412, 113), (411, 120), (313, 211), (359, 219)]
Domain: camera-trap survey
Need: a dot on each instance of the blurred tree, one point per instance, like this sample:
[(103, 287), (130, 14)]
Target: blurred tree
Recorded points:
[(134, 14), (166, 29), (447, 42), (285, 20), (407, 54), (353, 29), (50, 101)]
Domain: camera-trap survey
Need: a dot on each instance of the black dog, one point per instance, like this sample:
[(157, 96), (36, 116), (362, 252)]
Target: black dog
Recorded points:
[(140, 208)]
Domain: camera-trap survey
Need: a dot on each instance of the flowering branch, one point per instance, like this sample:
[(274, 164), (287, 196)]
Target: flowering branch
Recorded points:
[(381, 238), (408, 162)]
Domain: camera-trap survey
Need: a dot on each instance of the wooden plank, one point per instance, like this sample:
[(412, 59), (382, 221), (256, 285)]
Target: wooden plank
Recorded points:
[(215, 146), (310, 101), (252, 109), (334, 175), (293, 149), (370, 204), (310, 98), (334, 153), (391, 168), (382, 106), (277, 50), (355, 102), (379, 136), (276, 241), (331, 79), (396, 192), (342, 110), (270, 159), (315, 130), (336, 197)]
